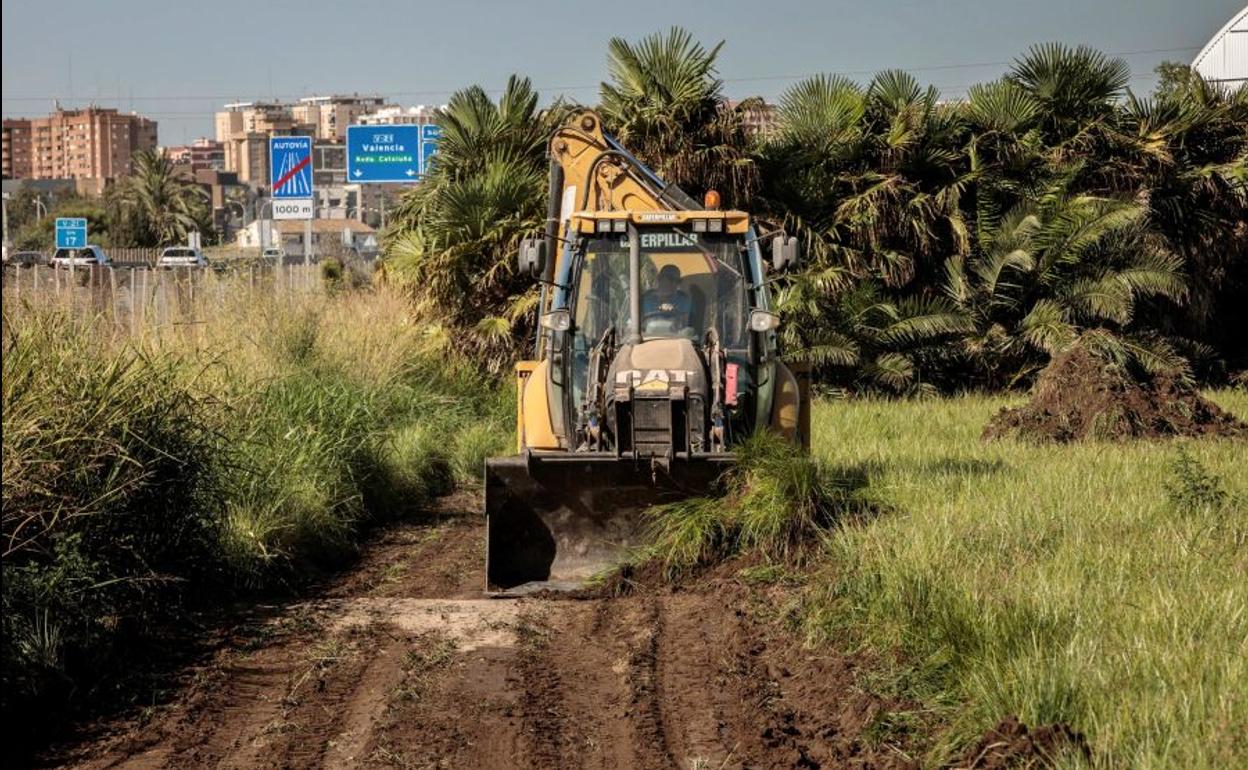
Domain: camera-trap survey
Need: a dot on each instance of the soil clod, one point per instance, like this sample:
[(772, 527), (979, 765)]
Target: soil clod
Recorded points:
[(1012, 745), (1082, 395)]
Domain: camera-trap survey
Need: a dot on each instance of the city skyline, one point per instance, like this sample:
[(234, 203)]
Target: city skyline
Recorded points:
[(234, 54)]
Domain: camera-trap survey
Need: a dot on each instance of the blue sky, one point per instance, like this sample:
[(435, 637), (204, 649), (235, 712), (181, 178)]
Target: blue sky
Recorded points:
[(179, 61)]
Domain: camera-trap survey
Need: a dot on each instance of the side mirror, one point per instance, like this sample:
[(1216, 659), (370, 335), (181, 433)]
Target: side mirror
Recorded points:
[(783, 253), (532, 257)]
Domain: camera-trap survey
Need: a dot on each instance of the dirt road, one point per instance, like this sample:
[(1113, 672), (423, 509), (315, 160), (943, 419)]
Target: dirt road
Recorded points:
[(403, 663)]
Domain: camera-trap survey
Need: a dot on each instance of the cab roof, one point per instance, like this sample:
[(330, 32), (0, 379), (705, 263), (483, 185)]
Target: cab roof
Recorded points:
[(734, 221)]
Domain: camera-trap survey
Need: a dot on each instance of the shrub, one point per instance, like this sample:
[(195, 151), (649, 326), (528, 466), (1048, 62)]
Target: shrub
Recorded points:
[(109, 476), (473, 446), (776, 502), (250, 452)]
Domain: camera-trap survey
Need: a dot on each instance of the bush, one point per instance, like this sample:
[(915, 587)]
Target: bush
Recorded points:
[(143, 473), (777, 500), (473, 445), (109, 477)]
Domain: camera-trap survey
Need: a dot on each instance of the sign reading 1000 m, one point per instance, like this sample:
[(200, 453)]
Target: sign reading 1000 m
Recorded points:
[(290, 176), (398, 153)]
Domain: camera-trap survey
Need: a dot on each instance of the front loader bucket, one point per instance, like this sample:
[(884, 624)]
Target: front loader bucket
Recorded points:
[(555, 520)]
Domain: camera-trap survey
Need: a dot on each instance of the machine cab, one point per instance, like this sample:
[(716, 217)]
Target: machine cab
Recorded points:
[(649, 307)]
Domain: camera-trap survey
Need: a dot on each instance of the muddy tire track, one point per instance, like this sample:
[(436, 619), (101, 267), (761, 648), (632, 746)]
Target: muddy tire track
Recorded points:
[(404, 663)]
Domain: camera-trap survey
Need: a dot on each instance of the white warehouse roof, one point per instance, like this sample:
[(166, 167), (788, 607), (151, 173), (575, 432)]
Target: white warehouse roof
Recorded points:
[(1225, 57)]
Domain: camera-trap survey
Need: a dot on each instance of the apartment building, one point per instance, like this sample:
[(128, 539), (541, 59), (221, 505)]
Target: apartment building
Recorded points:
[(243, 130), (179, 155), (17, 151), (90, 143), (201, 155), (758, 119), (207, 154), (393, 116)]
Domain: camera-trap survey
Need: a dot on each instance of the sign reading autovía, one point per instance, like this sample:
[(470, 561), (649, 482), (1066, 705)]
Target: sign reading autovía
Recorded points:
[(383, 153)]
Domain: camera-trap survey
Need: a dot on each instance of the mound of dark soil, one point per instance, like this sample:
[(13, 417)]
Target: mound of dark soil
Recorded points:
[(1011, 745), (1080, 395)]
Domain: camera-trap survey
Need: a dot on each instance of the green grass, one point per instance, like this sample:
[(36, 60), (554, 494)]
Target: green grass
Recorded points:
[(776, 501), (250, 450), (1102, 585)]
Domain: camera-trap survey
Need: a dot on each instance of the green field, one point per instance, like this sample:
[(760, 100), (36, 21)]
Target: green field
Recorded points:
[(1100, 585)]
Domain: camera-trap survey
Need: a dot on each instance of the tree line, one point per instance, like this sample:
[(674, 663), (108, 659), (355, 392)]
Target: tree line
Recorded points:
[(950, 243)]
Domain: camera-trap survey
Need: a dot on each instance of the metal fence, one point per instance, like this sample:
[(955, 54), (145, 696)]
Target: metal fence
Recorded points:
[(135, 298), (222, 255)]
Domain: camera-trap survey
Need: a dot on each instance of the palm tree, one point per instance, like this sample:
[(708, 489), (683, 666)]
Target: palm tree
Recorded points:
[(1077, 88), (873, 178), (165, 207), (453, 238), (865, 338), (1053, 268), (1186, 155), (666, 104)]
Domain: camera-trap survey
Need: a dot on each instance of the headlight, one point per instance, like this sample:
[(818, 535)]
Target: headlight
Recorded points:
[(557, 320), (604, 225), (762, 321), (619, 225), (699, 225), (716, 225)]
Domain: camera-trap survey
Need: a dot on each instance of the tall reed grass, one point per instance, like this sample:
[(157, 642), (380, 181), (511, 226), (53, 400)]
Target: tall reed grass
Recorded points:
[(149, 470)]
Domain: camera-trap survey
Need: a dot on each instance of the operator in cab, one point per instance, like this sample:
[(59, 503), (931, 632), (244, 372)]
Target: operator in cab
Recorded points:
[(667, 299)]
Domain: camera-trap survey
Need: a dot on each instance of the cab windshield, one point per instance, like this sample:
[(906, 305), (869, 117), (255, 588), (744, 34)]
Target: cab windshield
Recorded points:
[(690, 282)]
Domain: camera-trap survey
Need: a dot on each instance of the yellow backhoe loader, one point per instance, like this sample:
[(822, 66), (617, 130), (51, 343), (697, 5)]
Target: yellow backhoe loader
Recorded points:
[(656, 353)]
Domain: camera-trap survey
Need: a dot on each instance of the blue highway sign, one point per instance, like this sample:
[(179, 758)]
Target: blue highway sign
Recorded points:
[(383, 153), (71, 232), (429, 136), (290, 167)]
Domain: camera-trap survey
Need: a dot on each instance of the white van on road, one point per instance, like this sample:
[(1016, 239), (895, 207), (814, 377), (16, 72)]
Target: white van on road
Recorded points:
[(86, 256), (181, 256)]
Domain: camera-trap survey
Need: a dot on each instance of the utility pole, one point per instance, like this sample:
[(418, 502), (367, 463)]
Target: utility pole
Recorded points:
[(5, 206)]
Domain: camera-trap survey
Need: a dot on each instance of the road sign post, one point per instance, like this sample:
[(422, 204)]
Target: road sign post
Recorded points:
[(290, 182), (71, 232)]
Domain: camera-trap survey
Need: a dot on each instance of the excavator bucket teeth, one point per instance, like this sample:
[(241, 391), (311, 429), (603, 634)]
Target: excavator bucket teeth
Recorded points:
[(554, 521)]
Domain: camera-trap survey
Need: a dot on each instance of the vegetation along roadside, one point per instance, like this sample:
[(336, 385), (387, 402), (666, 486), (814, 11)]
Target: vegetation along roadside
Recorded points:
[(147, 475)]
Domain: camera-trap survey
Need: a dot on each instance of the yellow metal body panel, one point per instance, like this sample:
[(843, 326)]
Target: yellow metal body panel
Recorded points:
[(599, 184), (533, 426), (786, 407)]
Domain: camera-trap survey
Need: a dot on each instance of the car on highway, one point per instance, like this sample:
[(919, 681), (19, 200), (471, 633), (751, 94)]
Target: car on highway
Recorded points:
[(85, 256), (25, 259), (181, 256)]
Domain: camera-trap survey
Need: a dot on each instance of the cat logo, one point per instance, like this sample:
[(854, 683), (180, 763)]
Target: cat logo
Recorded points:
[(651, 379)]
